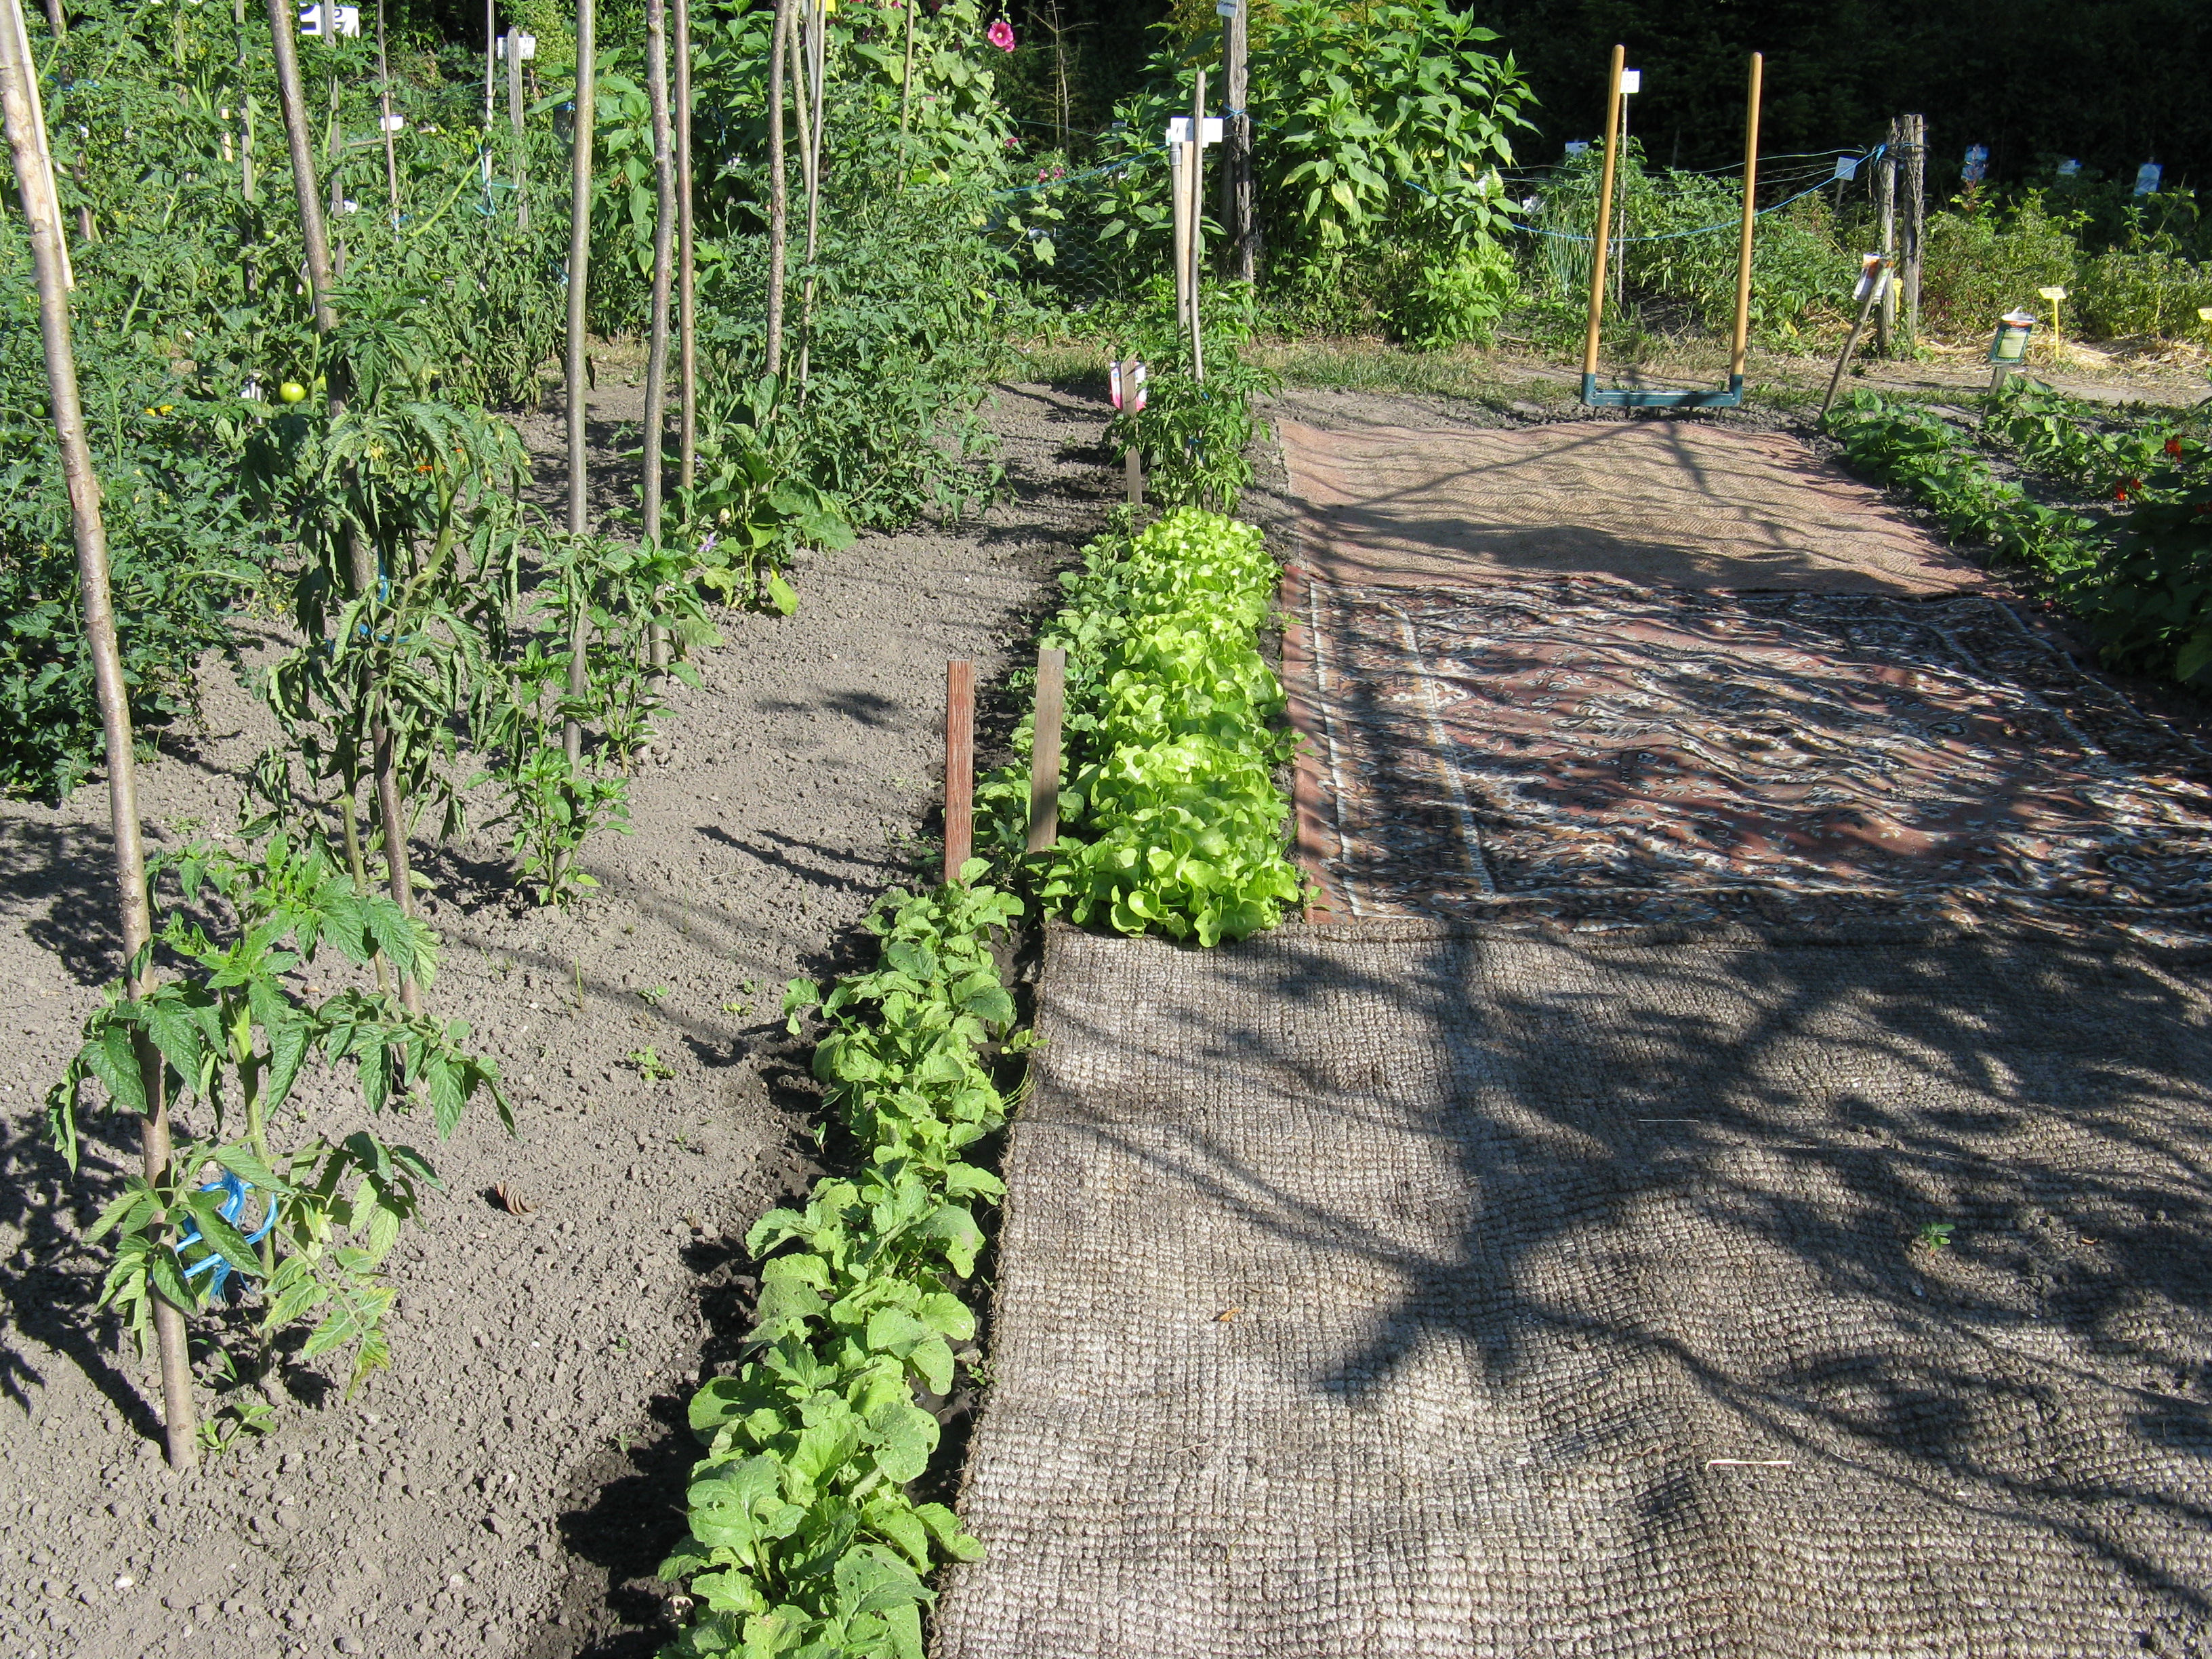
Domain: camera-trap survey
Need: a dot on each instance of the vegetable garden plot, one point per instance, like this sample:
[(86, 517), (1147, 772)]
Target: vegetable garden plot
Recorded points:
[(1399, 1289), (1594, 753)]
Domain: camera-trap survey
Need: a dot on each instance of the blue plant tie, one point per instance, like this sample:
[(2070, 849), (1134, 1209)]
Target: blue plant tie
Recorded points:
[(235, 1189)]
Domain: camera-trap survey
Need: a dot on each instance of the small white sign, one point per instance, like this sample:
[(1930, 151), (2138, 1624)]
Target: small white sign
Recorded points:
[(1179, 130), (1873, 278), (324, 21), (1630, 81), (2146, 179), (1224, 7), (1847, 166), (2071, 167), (1576, 147), (525, 47), (391, 123), (1977, 163)]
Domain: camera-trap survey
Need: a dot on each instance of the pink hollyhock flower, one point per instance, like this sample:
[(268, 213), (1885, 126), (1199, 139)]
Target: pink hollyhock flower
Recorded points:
[(1001, 35)]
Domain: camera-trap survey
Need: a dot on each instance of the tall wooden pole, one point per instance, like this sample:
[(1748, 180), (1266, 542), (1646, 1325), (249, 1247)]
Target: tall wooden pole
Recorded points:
[(1195, 168), (384, 117), (514, 124), (1915, 218), (906, 86), (656, 357), (1885, 316), (360, 564), (779, 188), (12, 20), (1243, 250), (1600, 243), (687, 275), (1739, 346), (42, 213), (579, 266)]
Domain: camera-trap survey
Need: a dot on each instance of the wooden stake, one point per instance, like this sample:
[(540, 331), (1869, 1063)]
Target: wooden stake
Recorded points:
[(1133, 469), (959, 766), (1742, 339), (1195, 170), (11, 20), (1885, 319), (42, 216), (656, 357), (1179, 217), (906, 88), (687, 274), (779, 188), (1044, 748), (1599, 244), (1851, 343), (579, 263), (384, 118), (514, 122), (1236, 201), (1915, 218)]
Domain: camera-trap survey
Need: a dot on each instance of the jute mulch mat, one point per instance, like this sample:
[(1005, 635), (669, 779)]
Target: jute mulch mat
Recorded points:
[(1679, 503), (1408, 1291)]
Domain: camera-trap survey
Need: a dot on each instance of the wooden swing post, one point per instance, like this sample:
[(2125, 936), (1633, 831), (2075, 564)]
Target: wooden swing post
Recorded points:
[(1599, 247), (1742, 336)]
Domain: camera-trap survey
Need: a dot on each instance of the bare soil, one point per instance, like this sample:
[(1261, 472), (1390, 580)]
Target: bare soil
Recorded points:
[(508, 1487)]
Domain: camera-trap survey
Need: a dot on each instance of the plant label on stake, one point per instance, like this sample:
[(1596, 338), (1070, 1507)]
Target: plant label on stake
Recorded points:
[(1873, 278), (324, 21)]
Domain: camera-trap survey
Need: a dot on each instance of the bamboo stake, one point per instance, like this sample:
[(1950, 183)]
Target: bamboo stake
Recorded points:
[(906, 82), (1044, 748), (1195, 172), (383, 120), (810, 44), (687, 284), (579, 262), (1179, 216), (959, 766), (779, 188), (1598, 245), (656, 359), (43, 218), (1742, 339), (361, 567), (12, 20)]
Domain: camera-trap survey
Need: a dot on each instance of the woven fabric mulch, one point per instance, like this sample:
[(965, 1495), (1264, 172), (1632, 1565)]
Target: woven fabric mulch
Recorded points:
[(1582, 752), (1419, 1291)]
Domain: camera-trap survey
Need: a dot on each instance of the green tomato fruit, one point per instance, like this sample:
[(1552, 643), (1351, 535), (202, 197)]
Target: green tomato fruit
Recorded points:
[(292, 392)]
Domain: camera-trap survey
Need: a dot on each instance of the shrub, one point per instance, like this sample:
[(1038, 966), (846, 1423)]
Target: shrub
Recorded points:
[(1980, 262)]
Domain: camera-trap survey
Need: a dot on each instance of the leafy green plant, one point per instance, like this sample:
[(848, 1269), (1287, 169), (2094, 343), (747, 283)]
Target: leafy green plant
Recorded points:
[(1172, 819), (235, 1035), (650, 1065), (803, 1539), (1938, 462), (2149, 600), (1194, 433)]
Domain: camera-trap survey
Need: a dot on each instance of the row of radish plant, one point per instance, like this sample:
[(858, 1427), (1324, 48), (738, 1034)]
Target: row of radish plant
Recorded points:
[(2124, 542), (803, 1539), (447, 646)]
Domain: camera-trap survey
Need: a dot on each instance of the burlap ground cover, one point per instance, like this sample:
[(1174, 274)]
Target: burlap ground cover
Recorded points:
[(1394, 1289), (1674, 502), (1588, 752)]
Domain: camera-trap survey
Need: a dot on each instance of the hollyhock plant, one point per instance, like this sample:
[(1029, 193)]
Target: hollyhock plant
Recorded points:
[(1001, 35)]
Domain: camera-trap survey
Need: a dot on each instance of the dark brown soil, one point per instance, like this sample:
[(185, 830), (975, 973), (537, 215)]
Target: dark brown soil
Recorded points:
[(508, 1487)]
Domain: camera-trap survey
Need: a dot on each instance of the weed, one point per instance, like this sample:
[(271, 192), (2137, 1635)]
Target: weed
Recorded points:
[(650, 1065)]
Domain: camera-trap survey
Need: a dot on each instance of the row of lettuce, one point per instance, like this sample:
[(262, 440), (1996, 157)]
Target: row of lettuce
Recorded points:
[(804, 1538), (2110, 517)]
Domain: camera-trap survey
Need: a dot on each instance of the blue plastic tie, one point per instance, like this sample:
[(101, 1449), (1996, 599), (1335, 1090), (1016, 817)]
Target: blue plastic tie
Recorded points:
[(235, 1189)]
